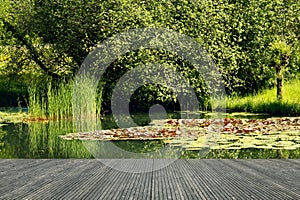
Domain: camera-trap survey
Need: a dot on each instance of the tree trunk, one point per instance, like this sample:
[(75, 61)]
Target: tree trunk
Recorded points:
[(279, 82), (279, 73)]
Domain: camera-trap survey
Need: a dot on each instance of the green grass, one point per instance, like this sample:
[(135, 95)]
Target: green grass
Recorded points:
[(266, 101), (56, 102)]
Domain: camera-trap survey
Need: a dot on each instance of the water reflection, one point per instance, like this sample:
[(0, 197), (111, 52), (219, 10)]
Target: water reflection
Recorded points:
[(40, 140), (12, 140)]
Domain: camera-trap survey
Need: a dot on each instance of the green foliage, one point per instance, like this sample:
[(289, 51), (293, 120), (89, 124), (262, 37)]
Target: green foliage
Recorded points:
[(237, 35), (12, 92), (154, 93), (279, 48)]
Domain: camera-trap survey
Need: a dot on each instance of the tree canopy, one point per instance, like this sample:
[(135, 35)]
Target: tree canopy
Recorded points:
[(52, 38)]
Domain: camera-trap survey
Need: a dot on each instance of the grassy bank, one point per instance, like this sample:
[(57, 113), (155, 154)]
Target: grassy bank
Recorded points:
[(55, 102), (266, 102)]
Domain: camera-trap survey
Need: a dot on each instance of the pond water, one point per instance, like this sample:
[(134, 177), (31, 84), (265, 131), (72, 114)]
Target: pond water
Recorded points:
[(42, 140)]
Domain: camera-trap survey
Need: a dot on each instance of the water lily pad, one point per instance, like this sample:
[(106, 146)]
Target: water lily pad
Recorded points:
[(293, 133), (290, 148), (236, 145), (223, 142), (265, 137), (283, 144), (297, 141), (233, 139), (193, 149), (249, 146), (193, 134), (233, 148), (264, 147), (260, 144)]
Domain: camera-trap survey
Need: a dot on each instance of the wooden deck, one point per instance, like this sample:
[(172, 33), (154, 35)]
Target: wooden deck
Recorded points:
[(183, 179)]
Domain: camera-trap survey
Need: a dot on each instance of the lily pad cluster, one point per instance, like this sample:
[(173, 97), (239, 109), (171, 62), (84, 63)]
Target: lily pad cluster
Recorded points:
[(272, 133), (134, 133), (193, 134)]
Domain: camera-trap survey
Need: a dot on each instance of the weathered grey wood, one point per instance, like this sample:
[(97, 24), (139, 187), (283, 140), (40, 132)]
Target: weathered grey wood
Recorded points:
[(182, 179)]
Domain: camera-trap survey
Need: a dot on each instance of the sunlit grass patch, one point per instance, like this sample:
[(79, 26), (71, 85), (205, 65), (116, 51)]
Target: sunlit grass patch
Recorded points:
[(12, 116), (266, 101)]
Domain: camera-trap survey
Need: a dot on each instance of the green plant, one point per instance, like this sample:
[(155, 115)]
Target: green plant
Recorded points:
[(267, 102), (58, 101)]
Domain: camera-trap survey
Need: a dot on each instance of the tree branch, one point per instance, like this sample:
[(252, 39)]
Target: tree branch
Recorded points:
[(33, 52)]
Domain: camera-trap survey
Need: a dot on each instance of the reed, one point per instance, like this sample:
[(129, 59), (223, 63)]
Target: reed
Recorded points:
[(64, 100), (37, 104)]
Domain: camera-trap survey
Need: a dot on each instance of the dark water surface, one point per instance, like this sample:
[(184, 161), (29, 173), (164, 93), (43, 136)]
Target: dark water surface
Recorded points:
[(41, 140)]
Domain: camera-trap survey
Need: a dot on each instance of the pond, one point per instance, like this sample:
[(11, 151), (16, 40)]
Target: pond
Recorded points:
[(43, 140)]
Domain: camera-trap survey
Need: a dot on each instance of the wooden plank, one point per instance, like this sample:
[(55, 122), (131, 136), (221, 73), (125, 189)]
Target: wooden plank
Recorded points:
[(202, 175), (182, 179)]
